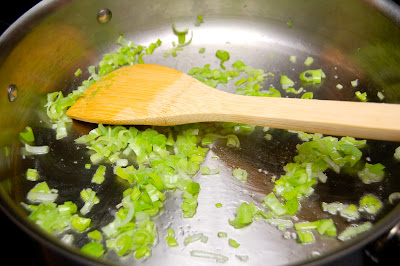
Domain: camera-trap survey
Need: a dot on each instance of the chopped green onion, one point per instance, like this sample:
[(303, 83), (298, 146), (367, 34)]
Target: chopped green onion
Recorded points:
[(380, 95), (90, 199), (38, 150), (199, 20), (361, 96), (94, 249), (305, 237), (242, 258), (309, 60), (307, 95), (286, 82), (339, 86), (240, 174), (170, 238), (370, 204), (98, 177), (222, 234), (223, 56), (218, 205), (80, 223), (205, 170), (312, 76), (244, 215), (88, 166), (394, 197), (27, 135), (372, 173), (233, 243), (95, 235), (206, 254), (350, 212), (354, 230), (292, 59), (396, 154), (192, 238), (202, 50), (78, 72), (42, 193), (32, 174), (354, 83)]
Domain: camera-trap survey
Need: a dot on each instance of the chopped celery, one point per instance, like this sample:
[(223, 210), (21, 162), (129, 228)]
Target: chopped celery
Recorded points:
[(218, 205), (380, 95), (202, 50), (292, 59), (37, 150), (286, 82), (354, 83)]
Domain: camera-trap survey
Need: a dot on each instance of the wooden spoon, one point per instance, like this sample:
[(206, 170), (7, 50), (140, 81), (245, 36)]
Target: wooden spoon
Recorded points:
[(147, 94)]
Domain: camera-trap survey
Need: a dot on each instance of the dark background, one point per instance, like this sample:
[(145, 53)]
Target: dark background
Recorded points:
[(18, 247)]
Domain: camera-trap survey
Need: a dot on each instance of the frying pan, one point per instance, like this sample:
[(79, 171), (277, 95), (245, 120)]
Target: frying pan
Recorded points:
[(348, 39)]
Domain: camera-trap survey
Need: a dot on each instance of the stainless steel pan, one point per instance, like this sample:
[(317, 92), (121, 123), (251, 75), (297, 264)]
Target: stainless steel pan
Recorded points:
[(350, 40)]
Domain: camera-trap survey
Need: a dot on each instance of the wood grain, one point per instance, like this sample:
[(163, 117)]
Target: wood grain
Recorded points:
[(148, 94)]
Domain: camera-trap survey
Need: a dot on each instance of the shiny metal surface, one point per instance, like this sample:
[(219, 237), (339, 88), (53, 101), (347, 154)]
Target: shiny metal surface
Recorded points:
[(348, 39)]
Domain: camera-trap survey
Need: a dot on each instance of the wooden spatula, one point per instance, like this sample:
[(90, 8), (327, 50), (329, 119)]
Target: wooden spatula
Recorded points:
[(147, 94)]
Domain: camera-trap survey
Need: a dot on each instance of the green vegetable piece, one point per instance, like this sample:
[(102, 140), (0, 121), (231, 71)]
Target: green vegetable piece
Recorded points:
[(193, 188), (202, 50), (181, 34), (80, 223), (240, 174), (27, 135), (370, 204), (222, 234), (305, 237), (271, 202), (361, 96), (307, 95), (95, 235), (98, 177), (286, 82), (244, 215), (218, 205), (78, 72), (372, 173), (94, 249), (223, 56), (32, 174), (396, 154), (353, 231), (312, 76), (233, 243), (170, 238), (199, 20), (309, 60)]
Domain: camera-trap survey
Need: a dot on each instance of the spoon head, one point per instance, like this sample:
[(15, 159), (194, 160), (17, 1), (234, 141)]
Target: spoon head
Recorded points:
[(142, 94)]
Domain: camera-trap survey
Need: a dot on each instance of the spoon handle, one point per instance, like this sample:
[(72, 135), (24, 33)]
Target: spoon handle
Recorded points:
[(340, 118)]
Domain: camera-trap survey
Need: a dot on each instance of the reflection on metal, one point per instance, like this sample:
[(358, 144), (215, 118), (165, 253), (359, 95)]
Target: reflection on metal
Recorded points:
[(104, 15), (12, 92)]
